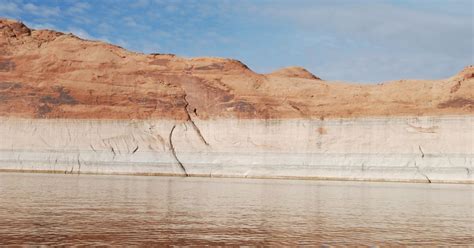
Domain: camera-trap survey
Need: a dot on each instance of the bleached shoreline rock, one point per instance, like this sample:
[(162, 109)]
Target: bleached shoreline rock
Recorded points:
[(406, 149)]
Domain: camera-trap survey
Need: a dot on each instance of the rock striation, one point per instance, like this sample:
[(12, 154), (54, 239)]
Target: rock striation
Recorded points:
[(78, 106)]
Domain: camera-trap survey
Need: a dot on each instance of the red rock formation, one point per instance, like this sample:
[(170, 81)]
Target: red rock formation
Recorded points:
[(47, 74), (293, 72)]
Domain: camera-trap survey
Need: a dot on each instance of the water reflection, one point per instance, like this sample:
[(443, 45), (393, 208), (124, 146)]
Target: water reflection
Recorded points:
[(97, 210)]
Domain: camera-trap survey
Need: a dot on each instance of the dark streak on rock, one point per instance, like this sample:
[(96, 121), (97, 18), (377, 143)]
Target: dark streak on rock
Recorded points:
[(295, 107), (79, 164), (456, 103), (9, 85), (198, 131), (455, 88), (43, 110), (135, 150), (63, 98), (418, 170), (113, 151), (242, 107), (7, 65), (173, 151), (422, 153)]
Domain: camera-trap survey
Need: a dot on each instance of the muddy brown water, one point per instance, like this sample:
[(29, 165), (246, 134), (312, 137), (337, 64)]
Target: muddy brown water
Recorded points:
[(53, 209)]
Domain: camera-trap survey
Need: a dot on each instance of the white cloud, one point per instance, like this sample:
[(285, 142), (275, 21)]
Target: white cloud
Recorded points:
[(42, 25), (140, 4), (81, 33), (121, 43), (104, 27), (130, 21), (82, 19), (79, 7), (41, 10), (8, 8)]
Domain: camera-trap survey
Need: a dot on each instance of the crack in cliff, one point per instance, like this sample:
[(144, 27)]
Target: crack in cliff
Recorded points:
[(113, 151), (421, 173), (421, 150), (135, 150), (195, 127), (173, 151), (418, 168), (79, 164)]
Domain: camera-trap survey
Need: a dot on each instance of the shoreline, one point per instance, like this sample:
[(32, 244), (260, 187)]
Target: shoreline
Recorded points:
[(315, 179)]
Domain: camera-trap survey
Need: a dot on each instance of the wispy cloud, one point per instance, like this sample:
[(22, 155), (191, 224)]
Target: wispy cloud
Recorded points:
[(130, 21), (140, 4), (42, 25), (79, 7), (80, 33), (40, 10), (9, 8)]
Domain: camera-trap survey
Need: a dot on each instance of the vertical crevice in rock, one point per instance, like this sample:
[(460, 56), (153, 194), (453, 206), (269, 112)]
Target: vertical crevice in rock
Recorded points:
[(418, 168), (421, 173), (421, 150), (427, 178), (173, 151), (135, 150), (79, 164), (190, 119), (113, 151)]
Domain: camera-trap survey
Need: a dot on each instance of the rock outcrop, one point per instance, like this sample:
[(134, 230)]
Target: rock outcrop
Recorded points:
[(294, 72), (77, 106), (47, 74)]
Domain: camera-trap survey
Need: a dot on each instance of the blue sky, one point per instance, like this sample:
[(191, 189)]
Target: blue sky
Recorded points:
[(358, 40)]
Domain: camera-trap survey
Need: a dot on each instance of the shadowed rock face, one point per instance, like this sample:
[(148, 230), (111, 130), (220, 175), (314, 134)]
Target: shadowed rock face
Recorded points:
[(47, 74)]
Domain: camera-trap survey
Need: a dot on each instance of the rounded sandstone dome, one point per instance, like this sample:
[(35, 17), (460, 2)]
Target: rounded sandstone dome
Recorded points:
[(13, 28), (466, 73), (294, 72)]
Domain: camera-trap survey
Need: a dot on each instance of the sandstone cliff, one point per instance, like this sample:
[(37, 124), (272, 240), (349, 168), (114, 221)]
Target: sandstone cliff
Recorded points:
[(70, 105), (48, 74)]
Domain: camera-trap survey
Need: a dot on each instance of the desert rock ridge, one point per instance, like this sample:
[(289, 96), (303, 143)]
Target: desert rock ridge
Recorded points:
[(74, 106), (48, 74), (293, 72)]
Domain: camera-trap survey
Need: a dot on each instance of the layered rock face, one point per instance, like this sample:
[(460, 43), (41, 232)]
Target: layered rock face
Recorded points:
[(423, 149), (76, 106)]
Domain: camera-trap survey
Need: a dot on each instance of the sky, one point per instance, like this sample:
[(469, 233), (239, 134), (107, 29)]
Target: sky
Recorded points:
[(351, 40)]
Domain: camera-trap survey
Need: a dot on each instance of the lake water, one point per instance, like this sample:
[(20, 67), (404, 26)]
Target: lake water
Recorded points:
[(99, 210)]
